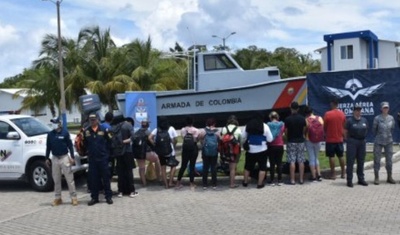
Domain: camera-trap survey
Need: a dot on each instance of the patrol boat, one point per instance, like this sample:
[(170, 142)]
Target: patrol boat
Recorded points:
[(219, 87)]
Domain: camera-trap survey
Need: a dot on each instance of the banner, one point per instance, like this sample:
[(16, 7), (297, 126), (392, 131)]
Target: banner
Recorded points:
[(367, 88), (141, 105)]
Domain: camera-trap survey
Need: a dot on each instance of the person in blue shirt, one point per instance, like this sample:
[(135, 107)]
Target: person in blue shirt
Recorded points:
[(59, 143), (97, 142)]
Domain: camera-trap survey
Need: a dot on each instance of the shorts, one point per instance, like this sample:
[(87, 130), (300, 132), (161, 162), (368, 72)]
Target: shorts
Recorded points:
[(295, 152), (334, 148), (253, 158), (164, 160)]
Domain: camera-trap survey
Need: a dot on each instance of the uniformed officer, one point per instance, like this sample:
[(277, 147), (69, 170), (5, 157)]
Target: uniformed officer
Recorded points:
[(356, 130), (59, 143), (97, 142)]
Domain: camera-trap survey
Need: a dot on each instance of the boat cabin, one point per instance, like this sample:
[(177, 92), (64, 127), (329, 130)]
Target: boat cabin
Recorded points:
[(218, 71)]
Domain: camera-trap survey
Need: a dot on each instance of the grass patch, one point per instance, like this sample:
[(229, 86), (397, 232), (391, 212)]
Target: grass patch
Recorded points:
[(323, 161)]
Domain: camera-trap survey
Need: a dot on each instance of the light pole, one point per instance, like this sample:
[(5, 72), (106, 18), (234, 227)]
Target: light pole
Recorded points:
[(60, 64), (224, 38)]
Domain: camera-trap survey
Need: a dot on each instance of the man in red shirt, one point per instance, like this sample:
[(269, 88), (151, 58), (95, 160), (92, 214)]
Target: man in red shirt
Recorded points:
[(334, 125)]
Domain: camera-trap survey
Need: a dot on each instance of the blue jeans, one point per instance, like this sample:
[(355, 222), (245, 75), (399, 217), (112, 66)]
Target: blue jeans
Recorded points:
[(210, 163), (313, 152)]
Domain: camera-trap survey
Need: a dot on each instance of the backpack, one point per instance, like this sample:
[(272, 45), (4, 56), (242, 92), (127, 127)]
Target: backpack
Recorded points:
[(188, 143), (117, 147), (163, 143), (78, 142), (229, 146), (275, 128), (315, 130), (210, 144), (139, 144)]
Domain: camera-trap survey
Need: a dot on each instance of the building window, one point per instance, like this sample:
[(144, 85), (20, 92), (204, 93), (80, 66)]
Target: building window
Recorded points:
[(346, 52)]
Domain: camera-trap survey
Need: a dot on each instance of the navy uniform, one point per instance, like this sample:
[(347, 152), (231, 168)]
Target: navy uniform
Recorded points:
[(357, 128), (97, 142)]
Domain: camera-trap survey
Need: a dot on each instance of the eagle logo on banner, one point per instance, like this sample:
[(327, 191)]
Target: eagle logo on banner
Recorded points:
[(353, 88)]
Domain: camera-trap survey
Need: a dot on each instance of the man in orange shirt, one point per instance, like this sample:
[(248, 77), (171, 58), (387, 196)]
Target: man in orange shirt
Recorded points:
[(334, 125)]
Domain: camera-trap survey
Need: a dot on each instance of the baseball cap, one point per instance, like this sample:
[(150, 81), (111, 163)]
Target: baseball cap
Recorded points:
[(357, 107), (385, 104), (92, 116)]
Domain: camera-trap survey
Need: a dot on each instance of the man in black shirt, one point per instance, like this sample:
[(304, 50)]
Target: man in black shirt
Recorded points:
[(295, 131), (356, 129)]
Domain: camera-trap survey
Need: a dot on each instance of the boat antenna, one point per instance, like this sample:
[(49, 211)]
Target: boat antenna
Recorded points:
[(194, 61)]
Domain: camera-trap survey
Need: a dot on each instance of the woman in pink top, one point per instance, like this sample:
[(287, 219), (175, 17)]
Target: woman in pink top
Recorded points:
[(189, 153), (275, 148)]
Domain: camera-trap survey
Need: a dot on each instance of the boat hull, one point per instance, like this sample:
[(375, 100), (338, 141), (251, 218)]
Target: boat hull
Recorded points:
[(219, 104)]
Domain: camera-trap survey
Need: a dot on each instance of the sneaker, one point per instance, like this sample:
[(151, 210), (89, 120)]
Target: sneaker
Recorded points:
[(204, 187), (56, 202), (349, 184), (134, 194), (363, 183), (279, 183), (214, 187), (120, 195), (319, 178), (74, 201)]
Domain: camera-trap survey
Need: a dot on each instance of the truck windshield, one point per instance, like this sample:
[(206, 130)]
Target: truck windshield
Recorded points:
[(31, 126)]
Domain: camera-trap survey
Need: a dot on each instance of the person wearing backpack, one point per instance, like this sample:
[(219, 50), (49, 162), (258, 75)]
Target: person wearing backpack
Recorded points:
[(314, 136), (189, 151), (257, 134), (210, 137), (125, 162), (275, 147), (143, 152), (232, 126), (164, 139)]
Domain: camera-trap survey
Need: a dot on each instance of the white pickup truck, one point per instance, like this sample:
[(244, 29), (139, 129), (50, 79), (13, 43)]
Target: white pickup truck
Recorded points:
[(22, 152)]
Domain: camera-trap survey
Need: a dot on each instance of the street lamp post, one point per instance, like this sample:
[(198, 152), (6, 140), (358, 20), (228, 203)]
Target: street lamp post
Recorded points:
[(224, 38), (60, 64)]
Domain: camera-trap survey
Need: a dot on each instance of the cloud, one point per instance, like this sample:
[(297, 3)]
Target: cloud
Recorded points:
[(8, 34), (298, 24)]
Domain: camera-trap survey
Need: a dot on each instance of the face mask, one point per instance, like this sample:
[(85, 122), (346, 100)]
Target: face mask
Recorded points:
[(54, 126)]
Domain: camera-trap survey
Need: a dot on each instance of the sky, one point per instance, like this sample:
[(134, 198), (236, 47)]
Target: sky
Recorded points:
[(267, 24)]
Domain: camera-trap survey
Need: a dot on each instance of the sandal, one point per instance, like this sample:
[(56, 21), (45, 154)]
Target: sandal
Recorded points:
[(234, 186)]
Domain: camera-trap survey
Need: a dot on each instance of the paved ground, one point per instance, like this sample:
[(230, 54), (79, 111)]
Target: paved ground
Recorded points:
[(327, 207)]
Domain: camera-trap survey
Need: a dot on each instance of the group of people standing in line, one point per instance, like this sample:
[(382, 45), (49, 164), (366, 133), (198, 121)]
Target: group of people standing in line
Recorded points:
[(264, 142)]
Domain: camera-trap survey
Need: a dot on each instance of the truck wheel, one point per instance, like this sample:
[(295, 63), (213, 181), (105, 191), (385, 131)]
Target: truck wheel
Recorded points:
[(40, 176)]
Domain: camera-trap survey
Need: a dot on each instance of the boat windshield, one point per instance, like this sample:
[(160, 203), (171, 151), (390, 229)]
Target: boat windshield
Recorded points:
[(218, 62)]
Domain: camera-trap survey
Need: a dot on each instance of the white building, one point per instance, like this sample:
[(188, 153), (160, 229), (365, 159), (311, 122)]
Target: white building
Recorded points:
[(10, 104), (358, 50)]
